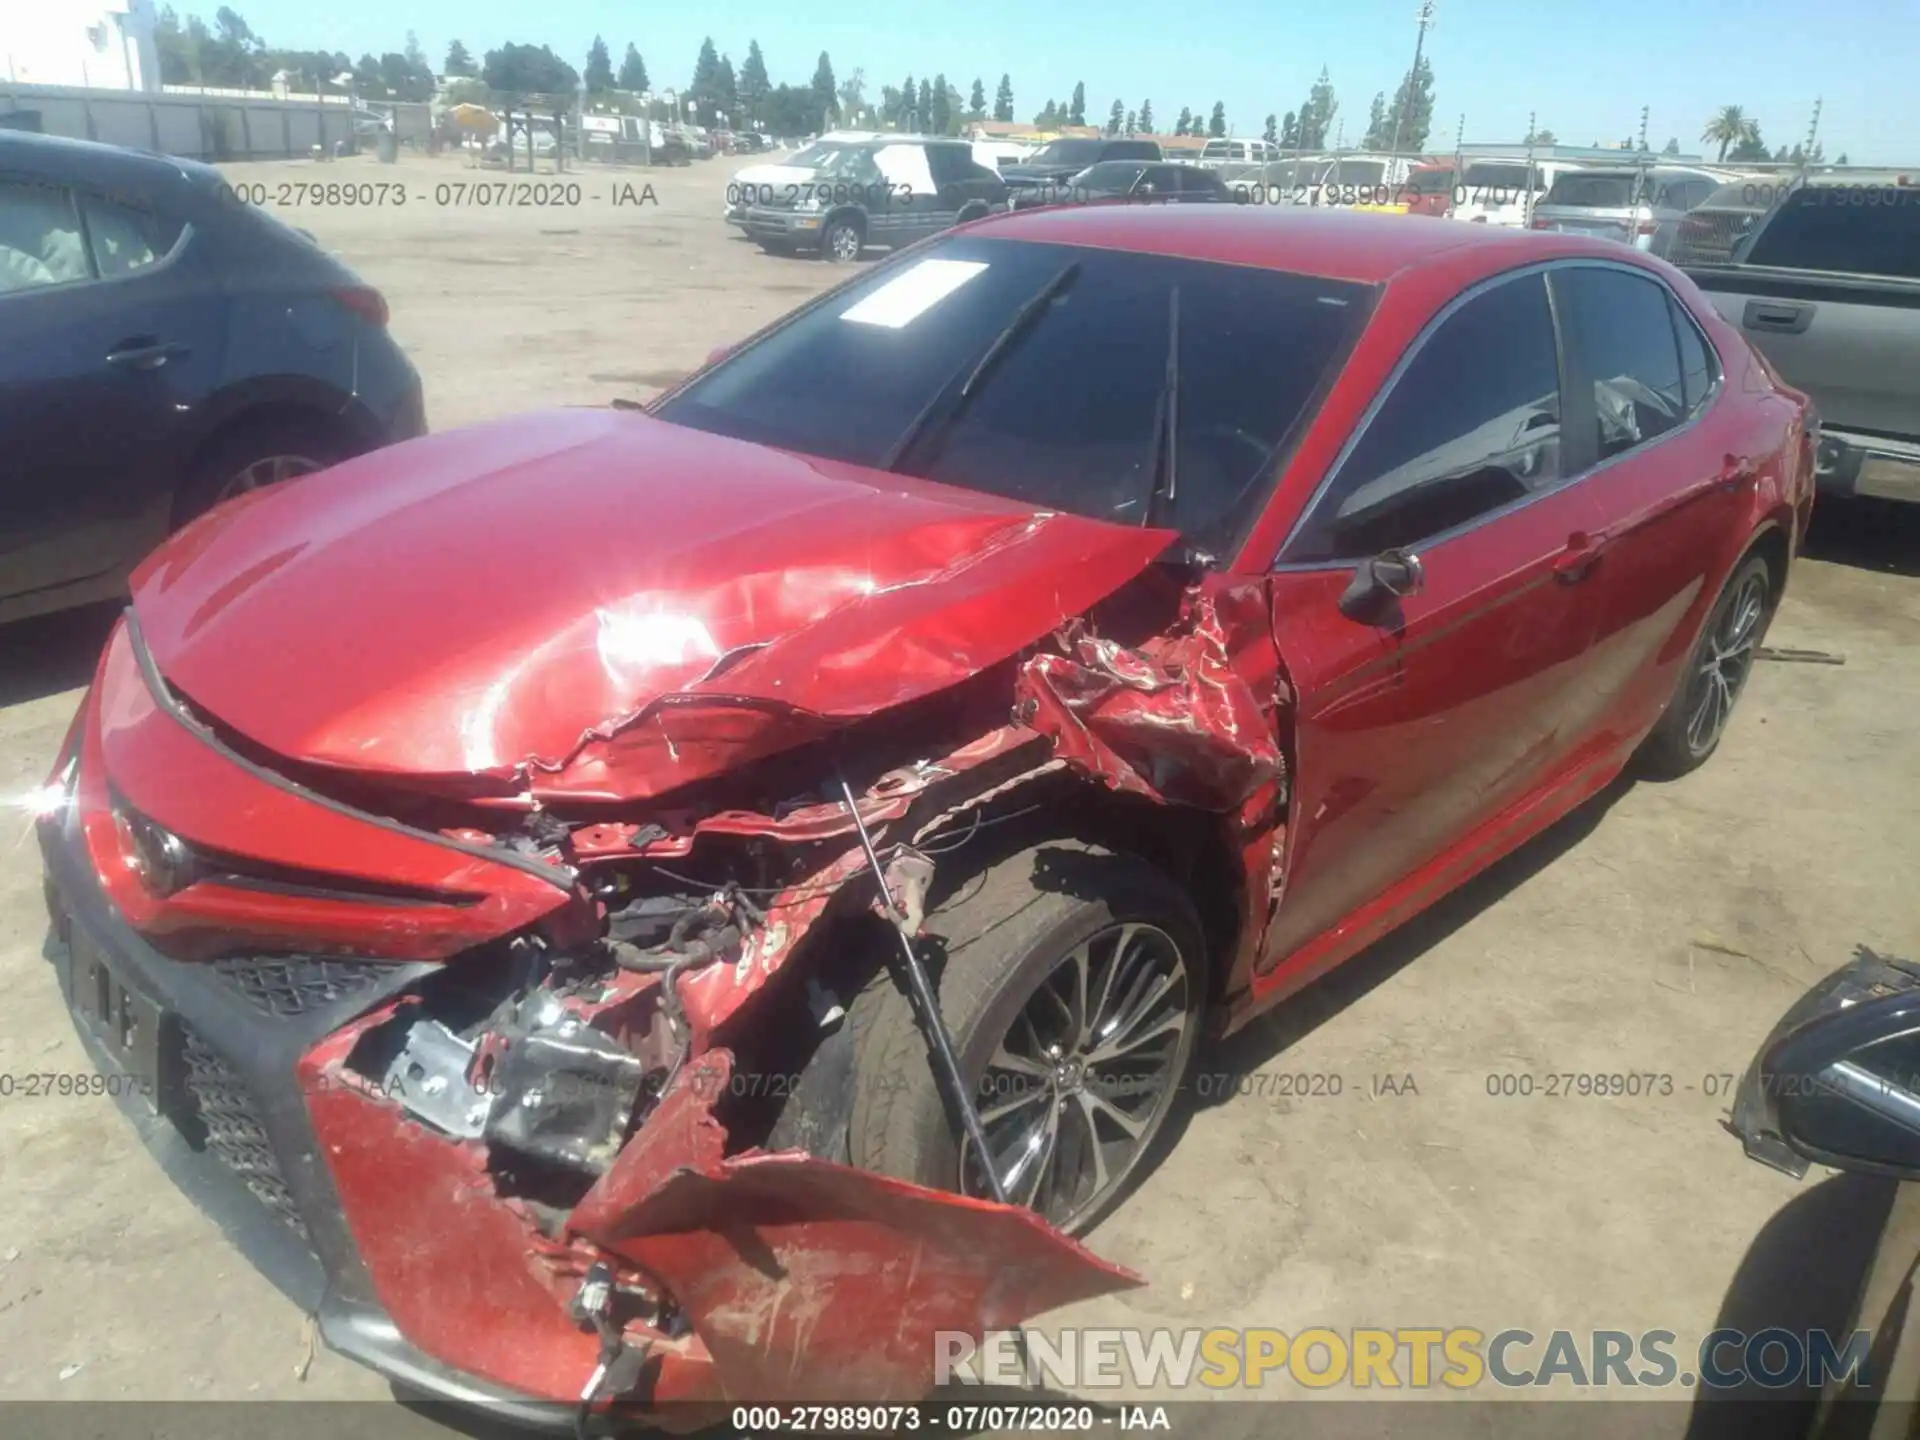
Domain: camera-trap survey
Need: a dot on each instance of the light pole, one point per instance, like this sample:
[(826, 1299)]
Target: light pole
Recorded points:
[(1425, 18)]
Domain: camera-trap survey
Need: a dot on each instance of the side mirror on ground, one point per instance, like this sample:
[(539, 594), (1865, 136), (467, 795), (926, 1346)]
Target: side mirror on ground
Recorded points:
[(1380, 583), (1838, 1080)]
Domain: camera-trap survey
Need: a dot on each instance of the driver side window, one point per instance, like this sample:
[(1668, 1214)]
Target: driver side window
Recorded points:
[(1470, 425)]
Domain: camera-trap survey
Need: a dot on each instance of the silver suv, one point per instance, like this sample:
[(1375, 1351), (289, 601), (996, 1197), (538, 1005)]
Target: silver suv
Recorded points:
[(1638, 205)]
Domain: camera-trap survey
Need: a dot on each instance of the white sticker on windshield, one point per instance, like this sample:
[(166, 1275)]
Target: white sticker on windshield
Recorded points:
[(901, 300)]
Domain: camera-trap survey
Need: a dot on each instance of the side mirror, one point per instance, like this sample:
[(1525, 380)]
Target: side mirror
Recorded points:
[(1838, 1080), (1381, 583)]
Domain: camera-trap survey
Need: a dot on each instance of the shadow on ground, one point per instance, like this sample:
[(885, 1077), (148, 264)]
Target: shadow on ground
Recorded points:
[(1872, 534), (51, 653)]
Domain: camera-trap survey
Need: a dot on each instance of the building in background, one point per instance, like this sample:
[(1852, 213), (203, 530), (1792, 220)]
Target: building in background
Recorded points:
[(99, 44)]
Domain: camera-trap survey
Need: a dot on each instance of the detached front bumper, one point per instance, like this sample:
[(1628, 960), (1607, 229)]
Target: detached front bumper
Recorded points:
[(233, 1062), (1849, 464)]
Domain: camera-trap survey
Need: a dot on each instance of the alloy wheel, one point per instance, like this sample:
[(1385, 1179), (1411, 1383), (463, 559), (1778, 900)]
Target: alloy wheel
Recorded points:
[(1723, 664), (267, 470), (1079, 1083), (846, 243)]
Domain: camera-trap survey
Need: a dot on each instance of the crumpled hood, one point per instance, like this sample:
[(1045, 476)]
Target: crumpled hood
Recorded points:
[(598, 603)]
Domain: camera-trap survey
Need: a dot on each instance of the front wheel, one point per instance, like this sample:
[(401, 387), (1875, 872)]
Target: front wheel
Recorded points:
[(842, 242), (1716, 674), (1073, 983)]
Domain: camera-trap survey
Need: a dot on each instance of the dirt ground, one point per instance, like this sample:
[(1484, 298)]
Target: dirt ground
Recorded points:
[(1663, 930)]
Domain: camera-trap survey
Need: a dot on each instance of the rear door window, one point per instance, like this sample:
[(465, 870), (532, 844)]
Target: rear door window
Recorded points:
[(124, 237), (41, 239), (1472, 424), (1851, 230), (1595, 192), (1697, 369), (1620, 338)]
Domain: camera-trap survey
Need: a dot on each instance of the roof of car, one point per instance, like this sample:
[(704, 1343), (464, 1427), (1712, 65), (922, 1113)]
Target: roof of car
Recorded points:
[(1338, 244)]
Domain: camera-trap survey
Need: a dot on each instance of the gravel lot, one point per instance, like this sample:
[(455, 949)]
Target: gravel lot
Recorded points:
[(1662, 930)]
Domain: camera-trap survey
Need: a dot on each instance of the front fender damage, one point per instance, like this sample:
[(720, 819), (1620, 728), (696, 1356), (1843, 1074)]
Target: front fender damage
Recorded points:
[(742, 1271)]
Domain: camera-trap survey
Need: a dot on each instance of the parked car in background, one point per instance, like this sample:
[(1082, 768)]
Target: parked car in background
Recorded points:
[(1505, 192), (1156, 606), (1219, 154), (887, 192), (1710, 233), (1637, 205), (1132, 180), (1826, 286), (1059, 160), (1429, 188), (998, 154), (770, 178), (164, 345)]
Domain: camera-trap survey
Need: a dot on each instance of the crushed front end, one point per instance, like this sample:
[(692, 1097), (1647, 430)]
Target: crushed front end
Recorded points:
[(466, 1094)]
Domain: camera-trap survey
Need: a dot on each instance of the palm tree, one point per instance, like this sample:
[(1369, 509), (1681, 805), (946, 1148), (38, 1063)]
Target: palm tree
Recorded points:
[(1730, 127)]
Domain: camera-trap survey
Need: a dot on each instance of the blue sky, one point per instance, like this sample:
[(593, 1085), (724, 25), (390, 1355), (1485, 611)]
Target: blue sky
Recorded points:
[(1586, 66)]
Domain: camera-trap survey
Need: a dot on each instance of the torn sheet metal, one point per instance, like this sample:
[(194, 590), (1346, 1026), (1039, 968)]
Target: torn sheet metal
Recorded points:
[(810, 1281), (798, 1278), (1181, 718), (567, 607)]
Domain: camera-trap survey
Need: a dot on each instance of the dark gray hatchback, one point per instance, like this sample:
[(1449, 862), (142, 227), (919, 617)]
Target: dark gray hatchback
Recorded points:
[(164, 345)]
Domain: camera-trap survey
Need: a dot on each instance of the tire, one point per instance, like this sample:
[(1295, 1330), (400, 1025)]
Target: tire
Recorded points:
[(1006, 933), (1687, 733), (842, 241), (221, 470)]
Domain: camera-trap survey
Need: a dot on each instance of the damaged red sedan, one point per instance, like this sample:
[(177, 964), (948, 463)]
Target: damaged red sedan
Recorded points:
[(622, 908)]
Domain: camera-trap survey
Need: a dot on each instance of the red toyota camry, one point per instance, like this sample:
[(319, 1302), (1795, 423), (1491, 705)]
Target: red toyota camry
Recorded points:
[(617, 908)]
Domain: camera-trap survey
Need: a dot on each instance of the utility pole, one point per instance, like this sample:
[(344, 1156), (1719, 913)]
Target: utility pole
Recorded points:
[(1644, 111), (1813, 129), (1425, 18), (1531, 117)]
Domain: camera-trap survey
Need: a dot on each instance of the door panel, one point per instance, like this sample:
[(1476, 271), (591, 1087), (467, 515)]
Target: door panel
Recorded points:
[(1409, 734), (98, 380), (1672, 501)]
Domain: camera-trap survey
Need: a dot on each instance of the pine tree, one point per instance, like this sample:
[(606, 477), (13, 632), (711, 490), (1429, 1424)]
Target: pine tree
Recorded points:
[(1217, 125), (458, 62), (1184, 125), (1077, 112), (1146, 117), (633, 71), (1003, 100), (754, 86), (1116, 117), (977, 101), (599, 71)]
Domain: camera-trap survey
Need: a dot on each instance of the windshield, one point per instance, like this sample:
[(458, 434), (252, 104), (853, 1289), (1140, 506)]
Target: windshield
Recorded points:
[(1430, 182), (814, 155), (1065, 417), (1067, 152), (1108, 175)]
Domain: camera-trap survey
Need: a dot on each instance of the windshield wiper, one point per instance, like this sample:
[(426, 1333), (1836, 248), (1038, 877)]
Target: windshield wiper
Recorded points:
[(968, 378), (1163, 456)]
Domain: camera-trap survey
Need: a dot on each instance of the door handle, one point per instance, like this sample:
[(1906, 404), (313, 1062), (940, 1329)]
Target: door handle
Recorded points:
[(1735, 471), (1576, 562), (145, 352), (1785, 319)]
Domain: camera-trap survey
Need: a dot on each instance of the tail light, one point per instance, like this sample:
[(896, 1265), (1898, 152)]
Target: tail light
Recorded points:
[(1543, 224), (365, 301)]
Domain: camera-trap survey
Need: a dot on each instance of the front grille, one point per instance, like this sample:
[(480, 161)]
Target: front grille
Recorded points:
[(294, 984), (228, 1122)]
